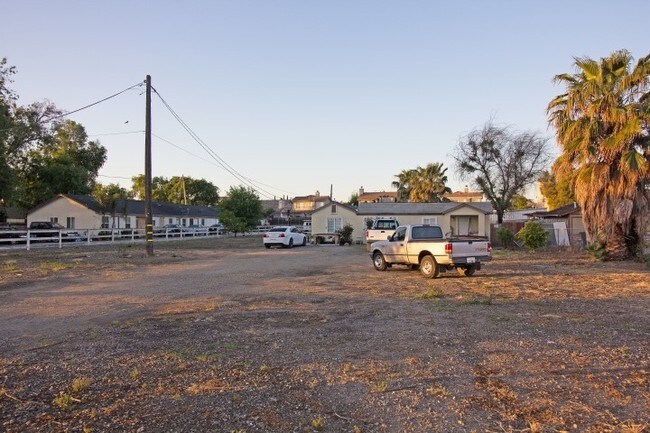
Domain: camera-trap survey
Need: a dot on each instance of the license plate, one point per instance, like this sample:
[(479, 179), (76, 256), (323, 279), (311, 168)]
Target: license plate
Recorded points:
[(471, 260)]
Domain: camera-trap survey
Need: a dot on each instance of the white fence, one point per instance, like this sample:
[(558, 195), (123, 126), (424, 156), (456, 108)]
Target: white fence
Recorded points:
[(28, 239)]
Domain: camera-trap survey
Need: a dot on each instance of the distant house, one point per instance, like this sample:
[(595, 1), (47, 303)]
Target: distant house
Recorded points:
[(303, 206), (458, 219), (84, 212), (13, 215), (281, 208), (464, 196), (377, 197)]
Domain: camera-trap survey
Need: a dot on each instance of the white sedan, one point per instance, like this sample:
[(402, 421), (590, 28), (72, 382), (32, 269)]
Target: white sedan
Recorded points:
[(284, 236)]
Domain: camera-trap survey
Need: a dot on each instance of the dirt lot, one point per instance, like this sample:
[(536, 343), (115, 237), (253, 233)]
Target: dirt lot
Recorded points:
[(226, 336)]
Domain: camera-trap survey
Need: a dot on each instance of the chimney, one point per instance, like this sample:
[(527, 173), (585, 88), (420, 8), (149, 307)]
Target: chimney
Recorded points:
[(360, 191), (466, 189), (317, 193)]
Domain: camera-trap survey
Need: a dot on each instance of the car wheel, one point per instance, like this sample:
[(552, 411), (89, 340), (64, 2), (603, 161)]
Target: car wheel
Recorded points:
[(304, 241), (428, 267), (467, 272), (268, 246), (291, 243), (379, 262)]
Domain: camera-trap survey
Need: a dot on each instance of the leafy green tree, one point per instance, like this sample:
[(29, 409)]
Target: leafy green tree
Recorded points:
[(422, 184), (22, 128), (354, 199), (520, 202), (178, 189), (603, 128), (241, 210), (159, 189), (501, 162), (506, 237), (68, 164), (557, 188), (533, 235), (108, 196)]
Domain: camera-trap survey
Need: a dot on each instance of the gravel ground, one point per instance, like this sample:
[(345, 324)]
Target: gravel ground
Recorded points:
[(222, 335)]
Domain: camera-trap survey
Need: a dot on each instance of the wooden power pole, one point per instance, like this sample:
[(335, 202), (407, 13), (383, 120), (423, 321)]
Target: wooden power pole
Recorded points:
[(147, 170)]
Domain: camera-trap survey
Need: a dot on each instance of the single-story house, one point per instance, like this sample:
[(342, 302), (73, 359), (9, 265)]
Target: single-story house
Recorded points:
[(13, 215), (456, 219), (84, 212), (566, 225)]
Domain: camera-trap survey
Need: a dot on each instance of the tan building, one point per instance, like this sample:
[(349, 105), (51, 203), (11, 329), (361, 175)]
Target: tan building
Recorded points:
[(307, 204), (465, 196), (456, 219), (377, 197), (84, 212)]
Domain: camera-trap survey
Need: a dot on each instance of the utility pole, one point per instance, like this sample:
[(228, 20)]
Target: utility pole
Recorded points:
[(147, 170)]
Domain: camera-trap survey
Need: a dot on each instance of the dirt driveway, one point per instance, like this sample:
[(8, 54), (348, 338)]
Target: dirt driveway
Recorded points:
[(223, 335)]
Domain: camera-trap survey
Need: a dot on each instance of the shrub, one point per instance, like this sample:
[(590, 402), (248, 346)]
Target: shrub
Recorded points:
[(506, 237), (345, 234), (533, 235)]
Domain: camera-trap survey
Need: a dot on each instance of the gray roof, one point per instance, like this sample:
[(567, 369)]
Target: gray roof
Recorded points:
[(419, 208), (159, 208)]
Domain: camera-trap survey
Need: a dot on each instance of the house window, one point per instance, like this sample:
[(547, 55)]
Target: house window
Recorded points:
[(54, 219), (202, 221), (430, 220), (333, 208), (191, 221), (170, 221), (334, 224), (105, 219), (127, 222), (69, 222)]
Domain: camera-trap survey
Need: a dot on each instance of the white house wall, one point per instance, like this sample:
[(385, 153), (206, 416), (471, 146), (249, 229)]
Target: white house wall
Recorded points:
[(61, 208)]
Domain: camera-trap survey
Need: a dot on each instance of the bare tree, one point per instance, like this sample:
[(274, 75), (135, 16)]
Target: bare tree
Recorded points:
[(501, 162)]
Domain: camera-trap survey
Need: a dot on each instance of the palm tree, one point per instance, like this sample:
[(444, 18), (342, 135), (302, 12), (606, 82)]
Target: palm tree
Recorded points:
[(430, 184), (403, 184), (422, 185), (603, 125)]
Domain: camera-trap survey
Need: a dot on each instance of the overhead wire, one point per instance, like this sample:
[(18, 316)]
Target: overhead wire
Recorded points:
[(213, 163), (140, 84), (58, 116), (211, 152)]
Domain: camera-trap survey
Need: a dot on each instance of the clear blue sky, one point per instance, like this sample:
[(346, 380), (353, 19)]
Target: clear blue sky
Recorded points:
[(301, 95)]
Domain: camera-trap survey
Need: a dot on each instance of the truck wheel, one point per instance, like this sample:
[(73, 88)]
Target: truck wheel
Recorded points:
[(428, 267), (467, 272), (379, 262)]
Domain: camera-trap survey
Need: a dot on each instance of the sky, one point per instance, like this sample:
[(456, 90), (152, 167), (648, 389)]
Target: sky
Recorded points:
[(303, 96)]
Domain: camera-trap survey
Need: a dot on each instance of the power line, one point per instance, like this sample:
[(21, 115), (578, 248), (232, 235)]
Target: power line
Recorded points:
[(116, 133), (58, 116), (215, 164), (212, 153), (140, 84)]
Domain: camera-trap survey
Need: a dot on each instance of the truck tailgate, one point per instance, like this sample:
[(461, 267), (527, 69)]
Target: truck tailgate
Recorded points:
[(470, 251)]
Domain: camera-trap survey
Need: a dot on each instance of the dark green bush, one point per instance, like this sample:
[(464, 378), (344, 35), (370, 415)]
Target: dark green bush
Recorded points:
[(345, 234), (533, 235), (506, 237)]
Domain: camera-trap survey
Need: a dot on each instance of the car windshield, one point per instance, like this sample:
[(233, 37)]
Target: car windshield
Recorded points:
[(278, 229)]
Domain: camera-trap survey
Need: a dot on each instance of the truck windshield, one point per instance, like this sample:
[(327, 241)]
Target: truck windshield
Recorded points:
[(426, 232)]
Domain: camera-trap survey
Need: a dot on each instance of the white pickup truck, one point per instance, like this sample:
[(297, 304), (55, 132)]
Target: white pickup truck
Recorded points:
[(425, 247), (381, 229)]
